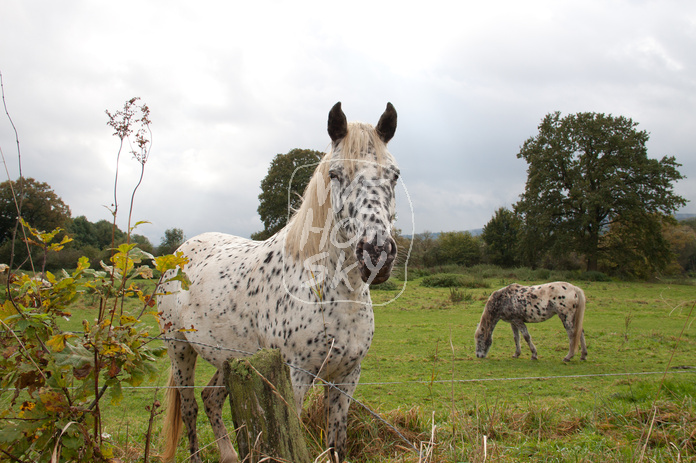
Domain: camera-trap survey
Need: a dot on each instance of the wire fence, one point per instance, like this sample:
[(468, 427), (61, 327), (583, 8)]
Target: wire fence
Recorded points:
[(674, 370), (338, 386), (377, 416)]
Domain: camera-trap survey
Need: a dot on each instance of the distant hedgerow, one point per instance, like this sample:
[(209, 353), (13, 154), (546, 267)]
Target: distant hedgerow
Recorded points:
[(593, 275), (453, 280), (389, 285)]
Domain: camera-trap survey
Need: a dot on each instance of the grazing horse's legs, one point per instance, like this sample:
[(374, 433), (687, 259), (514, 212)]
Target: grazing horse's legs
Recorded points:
[(516, 335), (213, 399), (569, 325), (519, 325), (583, 352), (183, 358)]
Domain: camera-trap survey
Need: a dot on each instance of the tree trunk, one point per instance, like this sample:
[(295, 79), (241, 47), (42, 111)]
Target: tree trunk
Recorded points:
[(263, 409)]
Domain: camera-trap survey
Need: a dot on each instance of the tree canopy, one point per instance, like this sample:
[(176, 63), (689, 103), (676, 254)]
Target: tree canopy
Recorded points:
[(282, 188), (41, 207), (501, 235), (460, 248), (172, 239), (589, 174), (43, 210)]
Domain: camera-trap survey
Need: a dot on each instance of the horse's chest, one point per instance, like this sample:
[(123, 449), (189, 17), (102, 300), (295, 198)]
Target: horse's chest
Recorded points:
[(333, 343)]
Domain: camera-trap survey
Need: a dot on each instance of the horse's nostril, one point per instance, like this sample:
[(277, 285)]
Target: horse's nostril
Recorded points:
[(391, 244), (376, 259)]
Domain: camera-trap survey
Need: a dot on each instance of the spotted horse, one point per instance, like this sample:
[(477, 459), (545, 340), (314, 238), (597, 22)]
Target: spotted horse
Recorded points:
[(517, 305), (304, 291)]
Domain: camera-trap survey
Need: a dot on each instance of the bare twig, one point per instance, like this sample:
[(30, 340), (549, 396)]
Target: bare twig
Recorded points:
[(153, 412)]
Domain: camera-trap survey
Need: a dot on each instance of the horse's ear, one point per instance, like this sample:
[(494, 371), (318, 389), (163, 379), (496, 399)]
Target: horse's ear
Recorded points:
[(338, 125), (387, 124)]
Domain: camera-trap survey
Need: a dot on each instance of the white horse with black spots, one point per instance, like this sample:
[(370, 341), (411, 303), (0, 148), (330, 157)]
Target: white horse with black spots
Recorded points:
[(304, 291), (517, 305)]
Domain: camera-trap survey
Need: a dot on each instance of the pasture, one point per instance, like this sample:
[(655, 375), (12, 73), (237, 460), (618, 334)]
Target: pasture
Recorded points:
[(633, 398)]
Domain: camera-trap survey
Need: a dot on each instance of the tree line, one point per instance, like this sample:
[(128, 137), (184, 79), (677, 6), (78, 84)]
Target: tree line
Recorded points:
[(502, 240), (593, 201), (44, 210)]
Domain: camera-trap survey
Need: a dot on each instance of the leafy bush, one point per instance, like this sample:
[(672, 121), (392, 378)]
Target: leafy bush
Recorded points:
[(458, 295), (452, 280), (53, 382), (593, 275), (389, 285)]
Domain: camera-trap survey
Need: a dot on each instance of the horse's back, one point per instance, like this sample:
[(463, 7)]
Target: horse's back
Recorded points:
[(534, 304), (216, 309)]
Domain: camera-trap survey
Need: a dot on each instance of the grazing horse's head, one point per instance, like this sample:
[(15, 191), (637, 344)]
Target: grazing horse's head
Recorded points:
[(362, 176), (484, 339)]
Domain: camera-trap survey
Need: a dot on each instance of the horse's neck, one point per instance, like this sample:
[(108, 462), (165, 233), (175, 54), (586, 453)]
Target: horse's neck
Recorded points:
[(343, 269), (488, 320), (340, 277)]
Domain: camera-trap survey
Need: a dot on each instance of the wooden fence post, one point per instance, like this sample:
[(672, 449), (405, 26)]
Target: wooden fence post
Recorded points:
[(263, 408)]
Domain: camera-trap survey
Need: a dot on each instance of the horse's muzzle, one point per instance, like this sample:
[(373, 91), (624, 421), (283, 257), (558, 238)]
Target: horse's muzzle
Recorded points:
[(374, 261)]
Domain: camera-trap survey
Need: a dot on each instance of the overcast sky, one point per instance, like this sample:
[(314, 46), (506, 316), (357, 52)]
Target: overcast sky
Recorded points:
[(232, 84)]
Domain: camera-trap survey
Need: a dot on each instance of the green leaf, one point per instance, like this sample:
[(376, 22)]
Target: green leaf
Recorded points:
[(74, 356), (182, 278), (10, 434), (115, 392)]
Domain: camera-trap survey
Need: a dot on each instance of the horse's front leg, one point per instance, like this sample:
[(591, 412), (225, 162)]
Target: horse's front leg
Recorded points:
[(301, 382), (336, 405), (525, 334), (516, 335)]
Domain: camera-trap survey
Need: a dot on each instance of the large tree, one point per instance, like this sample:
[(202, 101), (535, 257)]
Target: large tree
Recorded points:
[(589, 173), (282, 188), (501, 235), (41, 207), (172, 239), (460, 248)]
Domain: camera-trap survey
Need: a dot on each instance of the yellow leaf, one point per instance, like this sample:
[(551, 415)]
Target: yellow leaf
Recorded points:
[(170, 261), (57, 342), (83, 263), (128, 319), (7, 310)]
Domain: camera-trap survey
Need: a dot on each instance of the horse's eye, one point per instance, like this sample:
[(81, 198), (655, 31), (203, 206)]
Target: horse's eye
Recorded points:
[(333, 175)]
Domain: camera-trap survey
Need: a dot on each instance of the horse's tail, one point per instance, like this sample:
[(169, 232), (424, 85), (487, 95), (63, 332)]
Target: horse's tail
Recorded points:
[(173, 422), (579, 316)]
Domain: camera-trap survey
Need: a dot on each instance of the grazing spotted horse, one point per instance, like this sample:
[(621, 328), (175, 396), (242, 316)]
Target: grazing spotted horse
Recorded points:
[(304, 291), (517, 305)]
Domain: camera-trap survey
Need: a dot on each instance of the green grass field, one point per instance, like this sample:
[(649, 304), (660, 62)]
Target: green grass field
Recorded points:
[(637, 386)]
